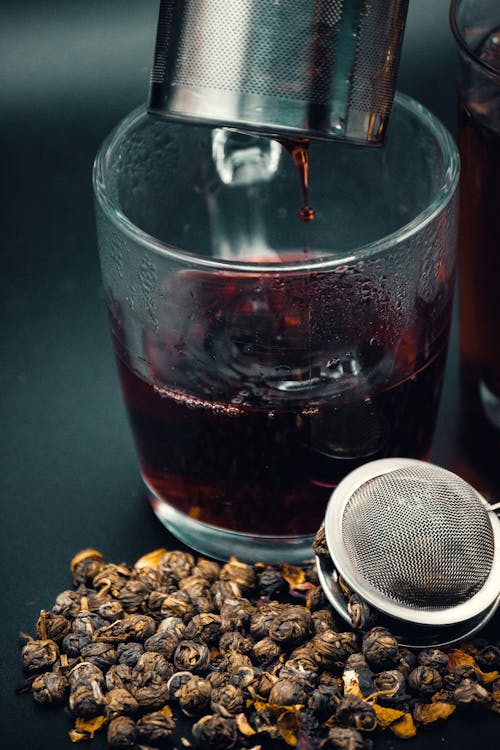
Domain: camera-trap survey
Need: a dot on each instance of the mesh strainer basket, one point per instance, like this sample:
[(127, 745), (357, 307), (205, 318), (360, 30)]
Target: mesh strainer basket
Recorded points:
[(320, 68), (418, 545)]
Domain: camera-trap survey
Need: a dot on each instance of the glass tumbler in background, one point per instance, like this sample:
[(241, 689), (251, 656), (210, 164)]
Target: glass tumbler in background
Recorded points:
[(261, 358), (476, 25)]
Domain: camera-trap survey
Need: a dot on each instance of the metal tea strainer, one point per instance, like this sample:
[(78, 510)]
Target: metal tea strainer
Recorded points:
[(310, 68), (418, 545)]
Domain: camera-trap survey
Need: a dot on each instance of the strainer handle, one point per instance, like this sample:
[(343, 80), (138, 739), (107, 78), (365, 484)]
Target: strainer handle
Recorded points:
[(495, 508)]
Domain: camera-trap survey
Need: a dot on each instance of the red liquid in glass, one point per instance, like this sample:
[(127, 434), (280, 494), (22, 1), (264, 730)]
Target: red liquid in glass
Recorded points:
[(480, 267), (232, 436)]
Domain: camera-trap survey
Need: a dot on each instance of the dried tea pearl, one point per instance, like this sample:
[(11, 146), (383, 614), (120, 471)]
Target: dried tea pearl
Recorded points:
[(233, 661), (111, 578), (242, 676), (150, 664), (357, 664), (407, 660), (86, 699), (152, 695), (433, 657), (205, 627), (194, 586), (331, 649), (320, 547), (227, 700), (194, 696), (344, 738), (215, 732), (132, 596), (291, 627), (357, 713), (232, 640), (316, 599), (270, 582), (86, 672), (218, 679), (323, 701), (425, 680), (132, 627), (162, 643), (103, 655), (488, 658), (38, 656), (235, 614), (118, 676), (49, 687), (287, 693), (85, 565), (207, 569), (128, 653), (392, 682), (67, 603), (178, 604), (192, 656), (265, 684), (120, 701), (155, 728), (121, 732), (322, 620), (240, 573), (111, 610), (465, 672), (87, 623), (155, 602), (361, 614), (380, 649), (52, 626), (471, 692), (223, 590), (73, 643), (177, 564), (262, 618), (149, 577), (266, 650), (173, 625), (175, 683)]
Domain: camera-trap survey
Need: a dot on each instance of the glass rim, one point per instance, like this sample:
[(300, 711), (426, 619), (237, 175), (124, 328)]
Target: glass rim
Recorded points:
[(442, 196), (464, 46)]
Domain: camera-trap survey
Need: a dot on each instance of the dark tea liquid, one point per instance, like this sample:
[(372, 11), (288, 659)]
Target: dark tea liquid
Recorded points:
[(246, 418), (480, 266)]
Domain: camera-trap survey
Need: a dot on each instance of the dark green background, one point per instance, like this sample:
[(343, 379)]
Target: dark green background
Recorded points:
[(69, 70)]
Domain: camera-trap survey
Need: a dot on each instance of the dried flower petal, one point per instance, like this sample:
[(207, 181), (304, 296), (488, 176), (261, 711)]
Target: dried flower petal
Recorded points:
[(426, 713), (404, 727)]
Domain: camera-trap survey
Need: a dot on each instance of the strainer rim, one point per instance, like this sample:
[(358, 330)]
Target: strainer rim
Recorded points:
[(479, 602)]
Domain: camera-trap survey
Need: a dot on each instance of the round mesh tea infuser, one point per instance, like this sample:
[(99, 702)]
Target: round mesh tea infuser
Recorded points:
[(415, 547)]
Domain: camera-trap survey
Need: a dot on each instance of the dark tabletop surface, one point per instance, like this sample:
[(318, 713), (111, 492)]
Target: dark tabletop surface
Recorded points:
[(69, 71)]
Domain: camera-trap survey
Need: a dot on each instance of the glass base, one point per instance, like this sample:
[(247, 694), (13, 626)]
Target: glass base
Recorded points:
[(222, 543)]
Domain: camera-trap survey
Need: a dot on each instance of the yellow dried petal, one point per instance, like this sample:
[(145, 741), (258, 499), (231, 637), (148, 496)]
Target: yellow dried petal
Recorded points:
[(426, 713), (85, 554), (457, 657), (151, 559), (166, 710), (261, 705), (90, 726), (351, 683), (404, 728), (292, 574), (488, 677), (243, 725), (386, 716), (289, 726)]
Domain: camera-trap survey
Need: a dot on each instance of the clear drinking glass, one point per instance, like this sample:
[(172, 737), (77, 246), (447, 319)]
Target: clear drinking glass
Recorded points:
[(261, 358), (476, 25)]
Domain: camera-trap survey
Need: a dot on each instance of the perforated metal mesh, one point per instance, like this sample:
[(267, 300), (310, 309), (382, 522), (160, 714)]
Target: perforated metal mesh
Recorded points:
[(286, 49), (420, 536)]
